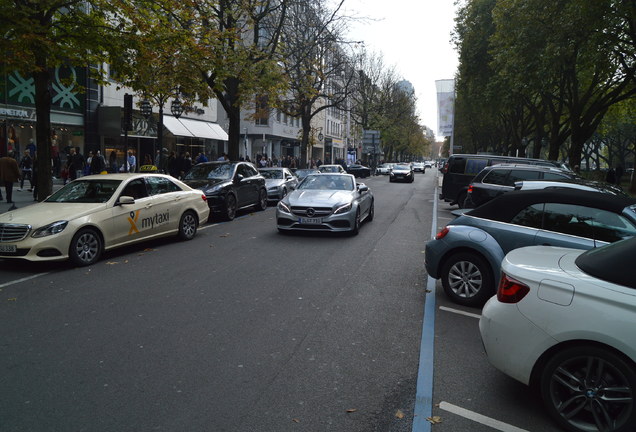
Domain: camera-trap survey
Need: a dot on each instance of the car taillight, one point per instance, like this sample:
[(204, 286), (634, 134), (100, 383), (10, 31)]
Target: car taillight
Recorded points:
[(511, 290), (204, 197), (440, 235), (470, 188)]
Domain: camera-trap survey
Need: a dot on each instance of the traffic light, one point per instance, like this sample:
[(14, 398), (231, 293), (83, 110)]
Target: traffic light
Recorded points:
[(128, 108)]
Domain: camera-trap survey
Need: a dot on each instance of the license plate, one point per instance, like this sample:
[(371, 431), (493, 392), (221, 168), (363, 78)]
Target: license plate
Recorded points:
[(310, 221), (8, 248)]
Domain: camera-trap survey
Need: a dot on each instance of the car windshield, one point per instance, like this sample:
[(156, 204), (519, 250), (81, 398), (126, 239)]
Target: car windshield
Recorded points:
[(329, 168), (305, 172), (210, 171), (327, 182), (272, 174), (402, 167), (85, 191)]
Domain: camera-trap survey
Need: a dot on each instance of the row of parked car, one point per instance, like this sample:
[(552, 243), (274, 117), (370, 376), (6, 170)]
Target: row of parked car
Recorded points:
[(554, 266)]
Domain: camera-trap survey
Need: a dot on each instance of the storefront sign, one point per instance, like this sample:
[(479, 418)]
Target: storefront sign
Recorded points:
[(17, 113)]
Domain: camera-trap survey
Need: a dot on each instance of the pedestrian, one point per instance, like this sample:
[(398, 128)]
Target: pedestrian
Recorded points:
[(200, 158), (75, 164), (26, 166), (186, 164), (98, 164), (132, 162), (87, 166), (31, 148), (611, 176), (112, 161), (9, 174), (173, 167)]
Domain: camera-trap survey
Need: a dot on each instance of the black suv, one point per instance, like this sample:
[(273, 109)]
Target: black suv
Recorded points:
[(229, 186), (495, 180)]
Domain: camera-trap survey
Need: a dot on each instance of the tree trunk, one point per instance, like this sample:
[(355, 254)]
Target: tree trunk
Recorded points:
[(44, 181), (234, 133)]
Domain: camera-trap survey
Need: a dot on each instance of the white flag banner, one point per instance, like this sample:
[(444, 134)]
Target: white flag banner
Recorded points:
[(445, 106)]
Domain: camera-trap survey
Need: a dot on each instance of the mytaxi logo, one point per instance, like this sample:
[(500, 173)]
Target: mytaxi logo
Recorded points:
[(134, 215)]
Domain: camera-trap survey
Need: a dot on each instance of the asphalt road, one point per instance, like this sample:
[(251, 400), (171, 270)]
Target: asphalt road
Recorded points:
[(241, 329), (245, 329)]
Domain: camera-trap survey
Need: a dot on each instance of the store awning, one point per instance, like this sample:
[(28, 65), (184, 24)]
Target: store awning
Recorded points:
[(218, 131), (175, 126)]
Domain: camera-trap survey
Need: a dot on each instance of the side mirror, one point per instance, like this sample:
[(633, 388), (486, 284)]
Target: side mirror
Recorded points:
[(363, 188), (238, 178), (125, 199)]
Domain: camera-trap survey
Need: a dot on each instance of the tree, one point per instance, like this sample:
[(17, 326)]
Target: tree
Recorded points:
[(40, 35)]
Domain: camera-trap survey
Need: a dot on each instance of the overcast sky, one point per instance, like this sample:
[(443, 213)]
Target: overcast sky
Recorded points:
[(414, 36)]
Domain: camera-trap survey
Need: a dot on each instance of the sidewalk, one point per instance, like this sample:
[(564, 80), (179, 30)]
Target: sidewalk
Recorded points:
[(22, 198)]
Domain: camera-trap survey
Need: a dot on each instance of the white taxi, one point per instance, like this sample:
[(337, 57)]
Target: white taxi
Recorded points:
[(101, 212)]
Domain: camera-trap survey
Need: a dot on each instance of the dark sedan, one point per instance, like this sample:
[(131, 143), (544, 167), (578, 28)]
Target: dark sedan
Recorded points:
[(402, 173), (358, 170), (229, 186)]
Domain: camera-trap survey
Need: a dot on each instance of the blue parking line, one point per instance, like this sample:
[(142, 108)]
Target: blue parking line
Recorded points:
[(424, 388)]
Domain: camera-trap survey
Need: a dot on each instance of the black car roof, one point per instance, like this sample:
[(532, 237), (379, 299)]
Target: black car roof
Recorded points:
[(613, 263), (506, 206)]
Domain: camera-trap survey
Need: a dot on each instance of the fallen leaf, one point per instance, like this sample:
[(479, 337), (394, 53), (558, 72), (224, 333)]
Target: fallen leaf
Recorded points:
[(149, 250), (112, 263), (352, 410), (399, 414), (428, 291), (12, 299), (295, 420), (423, 251), (434, 419), (225, 235)]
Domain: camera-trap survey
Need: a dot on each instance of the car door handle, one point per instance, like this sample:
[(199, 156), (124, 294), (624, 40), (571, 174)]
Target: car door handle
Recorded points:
[(148, 205)]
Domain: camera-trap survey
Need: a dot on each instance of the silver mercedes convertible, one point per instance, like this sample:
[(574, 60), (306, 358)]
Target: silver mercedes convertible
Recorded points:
[(326, 202)]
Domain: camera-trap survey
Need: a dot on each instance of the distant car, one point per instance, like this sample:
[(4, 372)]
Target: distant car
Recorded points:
[(304, 172), (419, 167), (100, 212), (279, 182), (358, 170), (467, 253), (331, 169), (429, 164), (580, 184), (495, 180), (229, 186), (326, 202), (401, 173), (562, 322), (384, 169)]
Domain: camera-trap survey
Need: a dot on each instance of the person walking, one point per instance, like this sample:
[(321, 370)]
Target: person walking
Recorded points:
[(98, 164), (26, 165), (132, 162), (75, 164), (9, 174)]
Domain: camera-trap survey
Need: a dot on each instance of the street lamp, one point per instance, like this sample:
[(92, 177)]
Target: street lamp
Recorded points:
[(176, 107), (146, 108)]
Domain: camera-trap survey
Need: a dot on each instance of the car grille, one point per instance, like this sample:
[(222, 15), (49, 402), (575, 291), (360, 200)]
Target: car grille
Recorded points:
[(13, 232), (318, 211)]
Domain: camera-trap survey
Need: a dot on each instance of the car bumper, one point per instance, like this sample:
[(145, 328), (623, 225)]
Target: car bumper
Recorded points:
[(502, 327), (332, 223), (402, 178), (50, 248), (274, 194)]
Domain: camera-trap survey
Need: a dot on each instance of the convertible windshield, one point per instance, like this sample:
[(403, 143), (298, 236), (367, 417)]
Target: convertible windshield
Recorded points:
[(272, 174), (327, 182), (210, 171), (85, 191)]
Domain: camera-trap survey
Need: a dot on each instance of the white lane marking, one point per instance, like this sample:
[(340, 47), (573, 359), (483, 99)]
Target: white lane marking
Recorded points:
[(471, 415), (459, 312), (24, 279), (208, 226)]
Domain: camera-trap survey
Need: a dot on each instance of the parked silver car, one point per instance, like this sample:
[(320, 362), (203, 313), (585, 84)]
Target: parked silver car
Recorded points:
[(326, 202), (279, 182)]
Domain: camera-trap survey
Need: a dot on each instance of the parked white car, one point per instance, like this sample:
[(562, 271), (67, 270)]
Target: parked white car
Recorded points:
[(563, 320)]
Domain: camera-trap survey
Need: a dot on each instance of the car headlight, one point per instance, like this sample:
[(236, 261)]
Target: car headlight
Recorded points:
[(343, 209), (273, 188), (50, 229), (283, 207), (213, 190)]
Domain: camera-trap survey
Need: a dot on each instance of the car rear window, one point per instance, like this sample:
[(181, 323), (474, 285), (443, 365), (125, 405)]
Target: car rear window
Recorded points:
[(613, 263)]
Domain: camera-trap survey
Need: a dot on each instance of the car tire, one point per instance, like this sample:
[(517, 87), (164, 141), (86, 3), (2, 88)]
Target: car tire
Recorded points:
[(467, 279), (371, 214), (230, 207), (356, 223), (86, 247), (262, 200), (579, 379), (188, 225)]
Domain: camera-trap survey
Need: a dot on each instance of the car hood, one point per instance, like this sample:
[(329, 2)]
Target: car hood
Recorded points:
[(205, 183), (274, 182), (318, 198), (45, 213)]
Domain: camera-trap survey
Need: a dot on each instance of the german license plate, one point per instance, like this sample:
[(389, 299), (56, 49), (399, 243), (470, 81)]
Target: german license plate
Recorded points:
[(310, 221), (8, 248)]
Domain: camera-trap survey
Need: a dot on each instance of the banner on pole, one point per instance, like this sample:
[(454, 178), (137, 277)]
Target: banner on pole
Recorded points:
[(445, 106)]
